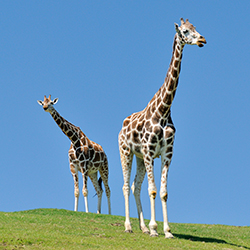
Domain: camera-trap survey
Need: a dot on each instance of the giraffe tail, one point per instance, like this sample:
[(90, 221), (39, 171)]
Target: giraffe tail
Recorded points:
[(100, 185)]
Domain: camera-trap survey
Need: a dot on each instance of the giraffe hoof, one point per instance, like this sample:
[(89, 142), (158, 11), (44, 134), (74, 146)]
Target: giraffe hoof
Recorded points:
[(154, 234), (145, 230), (168, 235), (128, 231)]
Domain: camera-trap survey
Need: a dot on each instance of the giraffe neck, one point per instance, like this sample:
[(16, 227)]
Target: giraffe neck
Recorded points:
[(71, 131), (158, 108)]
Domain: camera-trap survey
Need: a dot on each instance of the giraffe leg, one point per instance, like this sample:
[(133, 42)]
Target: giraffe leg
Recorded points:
[(74, 173), (149, 163), (136, 189), (99, 191), (164, 196), (85, 191), (104, 172), (126, 161), (165, 163)]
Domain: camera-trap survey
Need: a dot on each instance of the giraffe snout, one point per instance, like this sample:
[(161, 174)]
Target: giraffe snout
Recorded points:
[(201, 41), (45, 108)]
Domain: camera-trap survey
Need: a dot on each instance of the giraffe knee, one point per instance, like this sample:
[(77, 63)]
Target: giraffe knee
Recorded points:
[(135, 189), (153, 194), (164, 196), (85, 192), (152, 191), (126, 190), (76, 192)]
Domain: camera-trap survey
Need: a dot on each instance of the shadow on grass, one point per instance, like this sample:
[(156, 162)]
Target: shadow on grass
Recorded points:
[(206, 240)]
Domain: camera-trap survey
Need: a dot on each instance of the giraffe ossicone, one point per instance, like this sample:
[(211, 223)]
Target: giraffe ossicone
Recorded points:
[(150, 133), (85, 156)]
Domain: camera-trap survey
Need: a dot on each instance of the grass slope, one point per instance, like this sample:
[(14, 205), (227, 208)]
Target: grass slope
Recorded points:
[(62, 229)]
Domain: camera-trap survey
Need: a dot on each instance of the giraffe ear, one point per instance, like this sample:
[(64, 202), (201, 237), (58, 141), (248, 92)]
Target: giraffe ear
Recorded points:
[(55, 101), (40, 102), (177, 29)]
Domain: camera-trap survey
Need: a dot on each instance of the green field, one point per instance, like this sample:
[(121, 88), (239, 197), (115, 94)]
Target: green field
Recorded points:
[(63, 229)]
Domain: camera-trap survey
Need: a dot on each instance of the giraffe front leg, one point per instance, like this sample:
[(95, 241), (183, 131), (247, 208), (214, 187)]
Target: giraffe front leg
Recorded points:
[(76, 202), (152, 191), (166, 158), (164, 196), (74, 173), (153, 224)]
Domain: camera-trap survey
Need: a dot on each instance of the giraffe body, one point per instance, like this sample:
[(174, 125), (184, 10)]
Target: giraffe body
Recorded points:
[(150, 133), (85, 156)]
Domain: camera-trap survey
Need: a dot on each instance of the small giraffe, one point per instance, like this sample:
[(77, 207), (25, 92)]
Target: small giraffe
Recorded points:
[(150, 133), (85, 156)]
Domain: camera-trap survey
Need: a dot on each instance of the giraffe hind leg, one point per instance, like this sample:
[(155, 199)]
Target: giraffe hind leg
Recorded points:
[(126, 161), (85, 190), (136, 189), (104, 172), (98, 189)]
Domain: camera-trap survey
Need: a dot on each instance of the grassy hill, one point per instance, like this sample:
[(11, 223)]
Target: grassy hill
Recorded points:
[(62, 229)]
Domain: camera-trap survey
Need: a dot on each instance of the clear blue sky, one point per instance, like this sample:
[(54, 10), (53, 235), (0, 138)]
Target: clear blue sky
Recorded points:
[(105, 60)]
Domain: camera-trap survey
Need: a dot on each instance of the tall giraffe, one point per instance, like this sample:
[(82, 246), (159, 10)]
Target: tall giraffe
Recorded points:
[(150, 133), (85, 156)]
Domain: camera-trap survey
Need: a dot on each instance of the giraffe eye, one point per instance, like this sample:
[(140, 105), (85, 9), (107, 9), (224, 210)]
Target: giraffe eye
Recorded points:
[(185, 31)]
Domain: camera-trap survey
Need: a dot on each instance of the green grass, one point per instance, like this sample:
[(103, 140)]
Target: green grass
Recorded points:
[(62, 229)]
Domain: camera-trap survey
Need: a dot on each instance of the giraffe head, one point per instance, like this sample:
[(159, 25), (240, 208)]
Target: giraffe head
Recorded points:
[(47, 103), (188, 34)]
